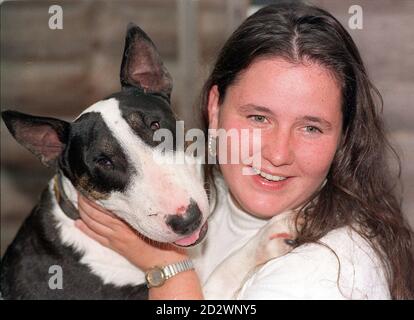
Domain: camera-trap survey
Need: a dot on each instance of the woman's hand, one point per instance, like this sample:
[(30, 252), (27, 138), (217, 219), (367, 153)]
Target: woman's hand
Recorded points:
[(102, 226), (111, 232)]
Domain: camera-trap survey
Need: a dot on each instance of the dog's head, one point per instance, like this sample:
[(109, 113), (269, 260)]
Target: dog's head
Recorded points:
[(108, 152)]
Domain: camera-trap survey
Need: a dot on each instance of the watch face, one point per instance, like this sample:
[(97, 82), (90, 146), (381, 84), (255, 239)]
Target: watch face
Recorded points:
[(155, 277)]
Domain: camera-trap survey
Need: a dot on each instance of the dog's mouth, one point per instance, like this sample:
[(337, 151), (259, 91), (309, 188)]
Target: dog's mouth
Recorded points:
[(193, 239)]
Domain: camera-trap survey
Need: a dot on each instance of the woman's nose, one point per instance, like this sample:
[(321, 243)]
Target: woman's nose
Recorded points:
[(277, 148)]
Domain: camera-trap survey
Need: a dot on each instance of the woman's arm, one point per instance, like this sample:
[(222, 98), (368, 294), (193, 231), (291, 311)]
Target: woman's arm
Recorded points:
[(111, 232)]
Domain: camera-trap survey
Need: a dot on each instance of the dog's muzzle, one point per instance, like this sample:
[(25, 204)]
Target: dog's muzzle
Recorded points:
[(187, 223)]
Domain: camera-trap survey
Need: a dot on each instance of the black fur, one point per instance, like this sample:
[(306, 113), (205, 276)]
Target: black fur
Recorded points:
[(84, 161), (36, 248), (140, 110)]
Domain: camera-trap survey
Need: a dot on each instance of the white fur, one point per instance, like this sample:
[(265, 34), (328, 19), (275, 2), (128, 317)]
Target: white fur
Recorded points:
[(103, 262), (226, 280)]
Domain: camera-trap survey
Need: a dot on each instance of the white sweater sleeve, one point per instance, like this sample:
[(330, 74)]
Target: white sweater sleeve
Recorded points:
[(313, 271)]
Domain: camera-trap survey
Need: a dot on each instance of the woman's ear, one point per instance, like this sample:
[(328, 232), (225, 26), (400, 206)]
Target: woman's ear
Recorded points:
[(213, 107)]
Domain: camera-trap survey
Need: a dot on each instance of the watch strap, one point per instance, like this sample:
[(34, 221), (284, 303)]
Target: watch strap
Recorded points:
[(156, 276), (175, 268)]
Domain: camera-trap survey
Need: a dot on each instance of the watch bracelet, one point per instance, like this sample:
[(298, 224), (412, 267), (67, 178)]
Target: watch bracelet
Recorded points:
[(175, 268)]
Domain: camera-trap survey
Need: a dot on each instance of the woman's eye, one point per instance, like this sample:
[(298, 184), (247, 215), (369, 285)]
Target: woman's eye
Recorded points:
[(312, 129), (155, 125), (105, 163), (258, 118)]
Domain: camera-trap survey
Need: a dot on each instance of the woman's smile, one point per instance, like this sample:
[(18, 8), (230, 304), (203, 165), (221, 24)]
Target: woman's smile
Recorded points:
[(266, 180), (270, 185)]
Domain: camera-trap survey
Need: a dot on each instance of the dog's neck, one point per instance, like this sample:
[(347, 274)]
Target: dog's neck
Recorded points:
[(105, 263), (66, 195)]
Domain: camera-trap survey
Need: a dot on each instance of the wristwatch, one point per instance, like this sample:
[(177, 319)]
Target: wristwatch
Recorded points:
[(157, 276)]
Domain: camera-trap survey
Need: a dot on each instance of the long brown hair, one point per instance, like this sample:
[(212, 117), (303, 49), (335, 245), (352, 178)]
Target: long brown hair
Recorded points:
[(361, 187)]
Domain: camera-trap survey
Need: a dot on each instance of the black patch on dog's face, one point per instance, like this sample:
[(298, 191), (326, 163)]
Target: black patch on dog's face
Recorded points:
[(145, 113), (93, 159)]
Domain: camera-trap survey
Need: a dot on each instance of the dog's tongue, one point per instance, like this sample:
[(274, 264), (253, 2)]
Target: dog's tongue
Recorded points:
[(187, 241)]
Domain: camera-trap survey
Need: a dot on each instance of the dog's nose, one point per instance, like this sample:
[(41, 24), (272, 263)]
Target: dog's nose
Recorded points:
[(187, 222)]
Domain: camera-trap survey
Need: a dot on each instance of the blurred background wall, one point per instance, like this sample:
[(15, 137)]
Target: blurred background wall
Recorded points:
[(60, 72)]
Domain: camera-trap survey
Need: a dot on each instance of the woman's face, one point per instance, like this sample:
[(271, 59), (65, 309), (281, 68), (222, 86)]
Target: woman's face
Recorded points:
[(298, 109)]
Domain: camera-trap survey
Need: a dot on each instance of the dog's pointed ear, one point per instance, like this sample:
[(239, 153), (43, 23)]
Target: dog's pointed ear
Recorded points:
[(45, 137), (142, 65)]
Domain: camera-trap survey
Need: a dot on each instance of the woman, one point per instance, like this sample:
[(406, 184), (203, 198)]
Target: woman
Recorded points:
[(294, 72)]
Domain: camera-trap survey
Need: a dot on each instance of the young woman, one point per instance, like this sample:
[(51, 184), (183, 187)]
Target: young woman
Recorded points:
[(294, 72)]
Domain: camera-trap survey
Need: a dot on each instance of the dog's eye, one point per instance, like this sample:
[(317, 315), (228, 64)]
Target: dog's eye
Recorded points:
[(155, 125), (105, 163)]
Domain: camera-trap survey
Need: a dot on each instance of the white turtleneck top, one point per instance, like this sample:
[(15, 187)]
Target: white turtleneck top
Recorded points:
[(310, 271)]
